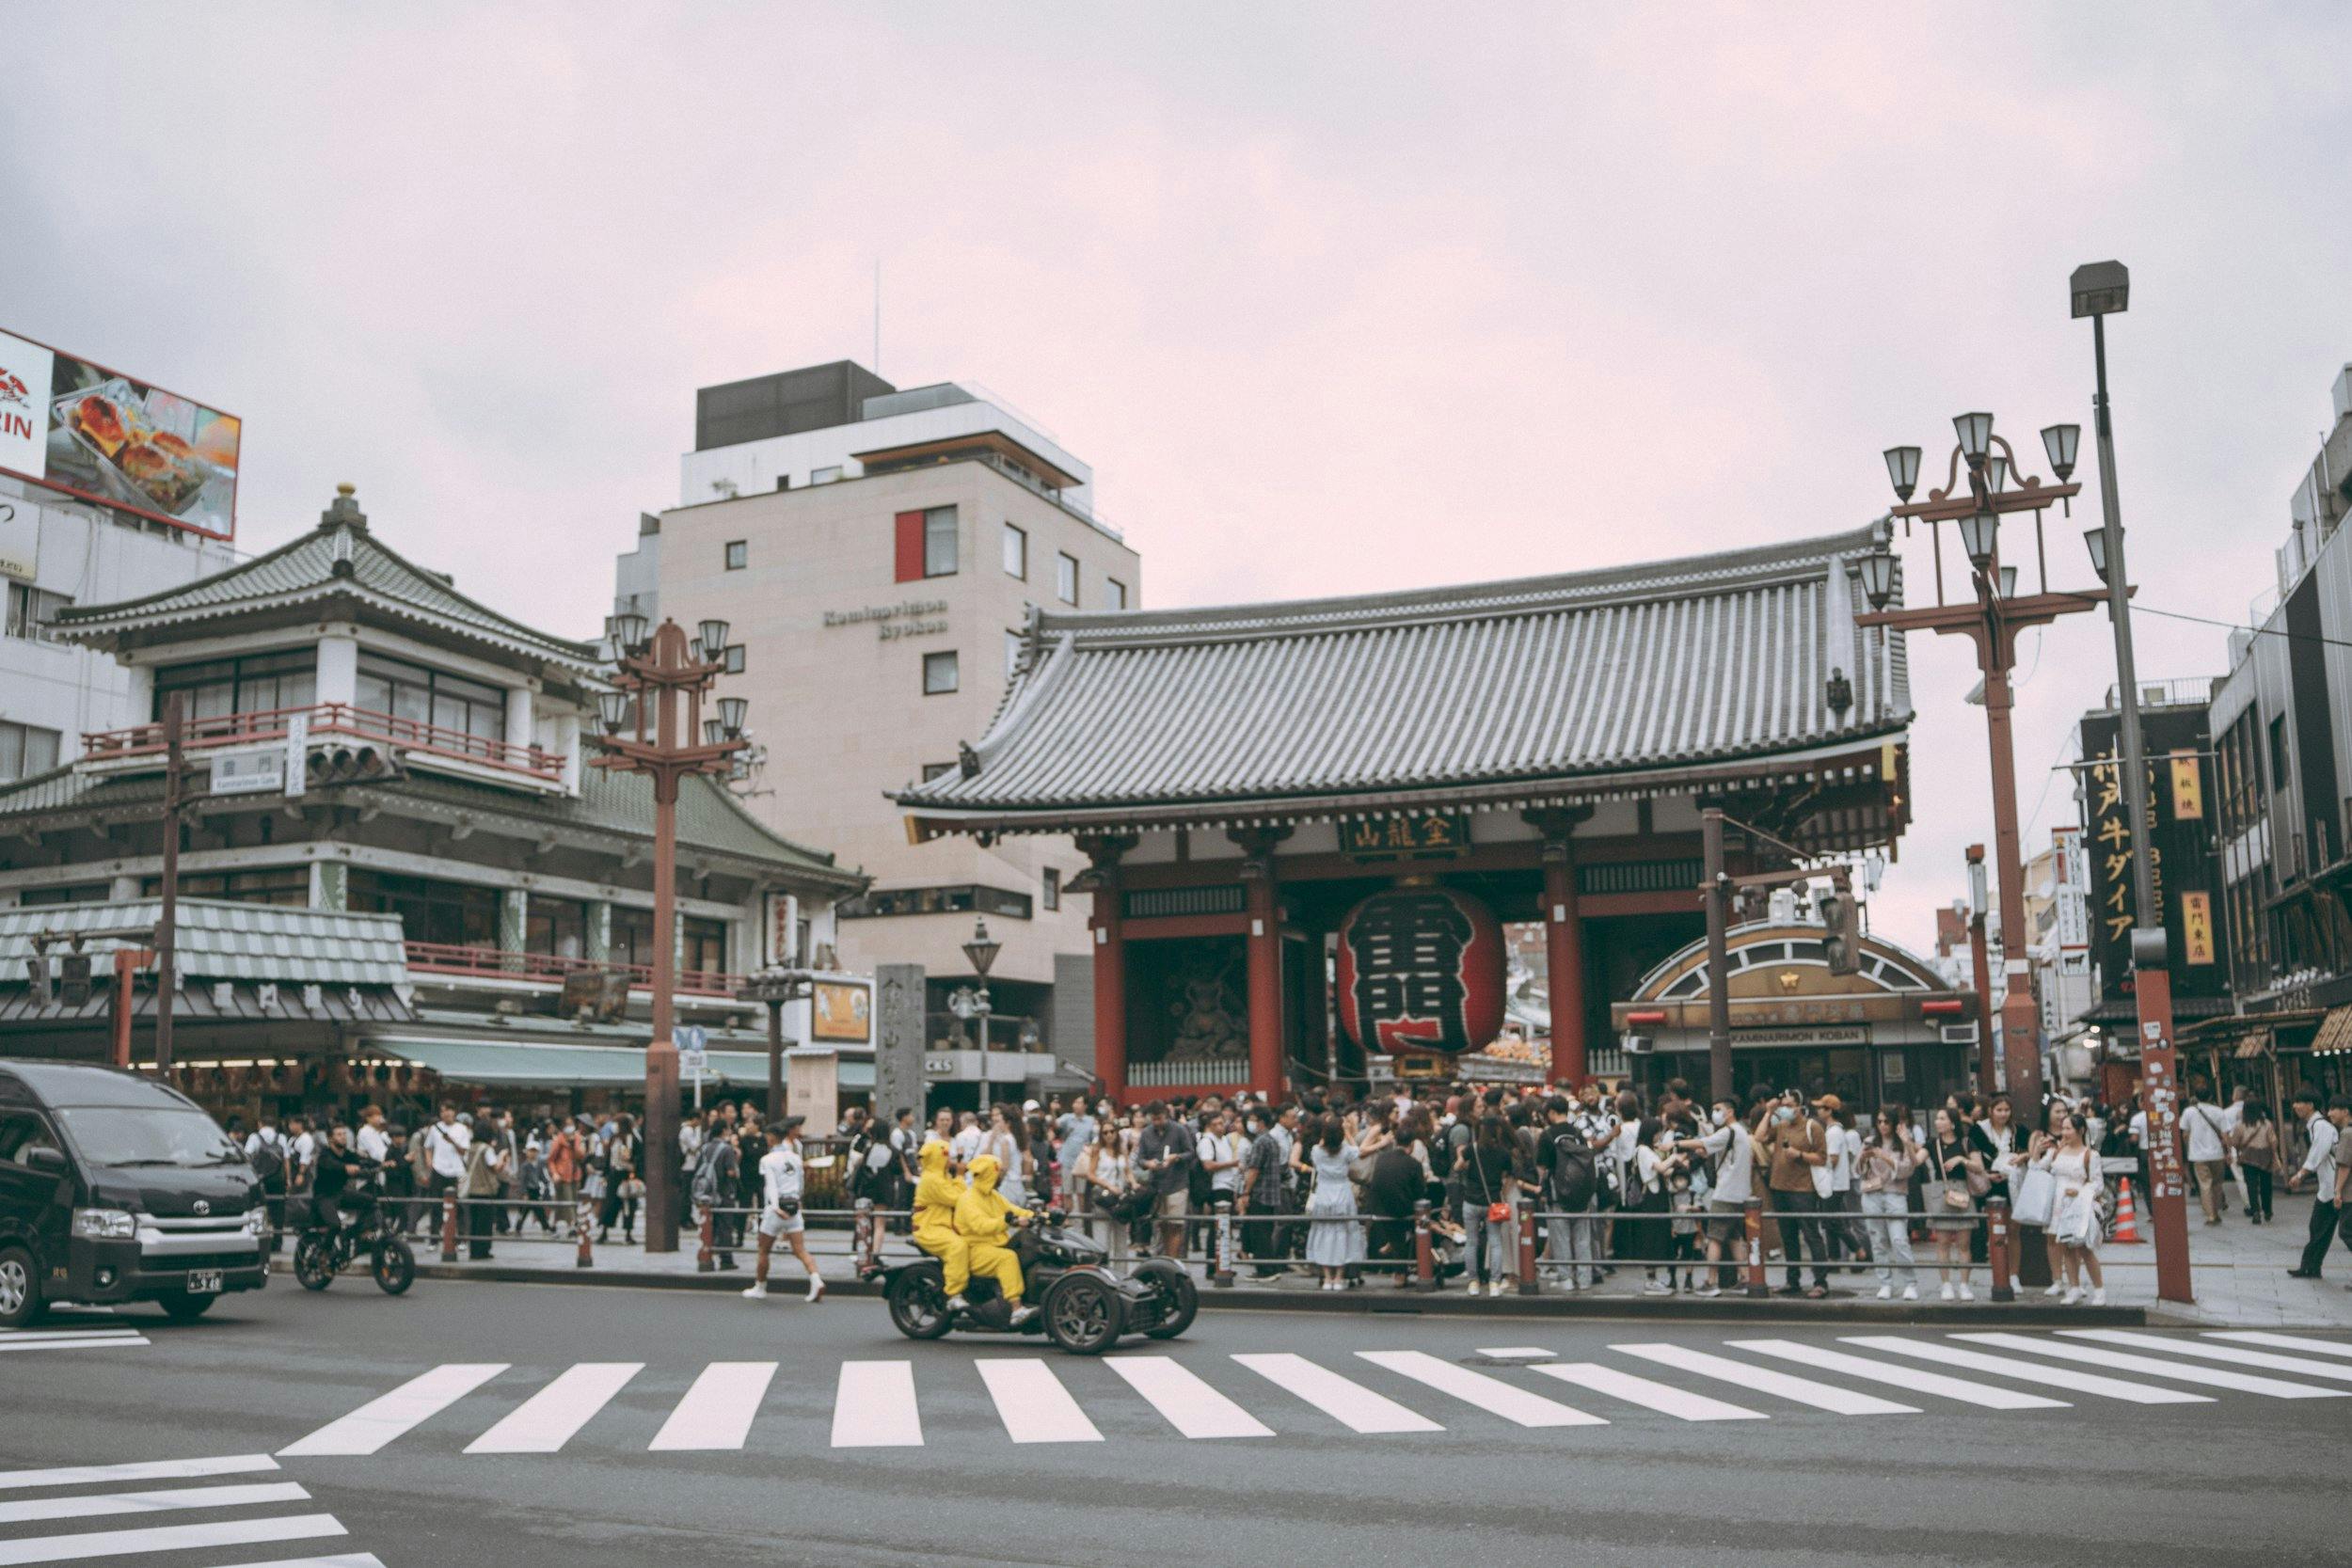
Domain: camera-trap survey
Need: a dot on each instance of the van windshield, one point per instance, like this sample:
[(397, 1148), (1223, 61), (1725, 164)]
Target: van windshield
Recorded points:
[(110, 1135)]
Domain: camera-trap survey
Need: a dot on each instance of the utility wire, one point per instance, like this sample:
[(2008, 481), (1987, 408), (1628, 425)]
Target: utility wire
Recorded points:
[(2251, 631)]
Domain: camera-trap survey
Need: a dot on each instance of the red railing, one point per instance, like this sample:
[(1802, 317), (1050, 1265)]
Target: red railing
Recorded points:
[(330, 719), (492, 963)]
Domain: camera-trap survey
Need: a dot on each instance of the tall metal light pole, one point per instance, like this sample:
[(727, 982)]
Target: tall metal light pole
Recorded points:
[(1992, 620), (657, 671), (1979, 903), (2098, 290), (167, 912)]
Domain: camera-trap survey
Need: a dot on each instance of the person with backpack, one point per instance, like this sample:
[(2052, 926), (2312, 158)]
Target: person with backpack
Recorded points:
[(1569, 1168), (717, 1173), (266, 1151)]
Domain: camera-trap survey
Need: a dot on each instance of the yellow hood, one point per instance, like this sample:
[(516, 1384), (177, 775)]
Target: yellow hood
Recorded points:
[(984, 1171), (932, 1157)]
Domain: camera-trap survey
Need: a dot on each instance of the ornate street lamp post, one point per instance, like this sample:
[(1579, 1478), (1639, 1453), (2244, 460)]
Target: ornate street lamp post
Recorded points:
[(982, 950), (661, 673), (1991, 620)]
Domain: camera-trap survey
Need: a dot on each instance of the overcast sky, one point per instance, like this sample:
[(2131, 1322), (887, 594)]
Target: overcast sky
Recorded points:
[(1334, 298)]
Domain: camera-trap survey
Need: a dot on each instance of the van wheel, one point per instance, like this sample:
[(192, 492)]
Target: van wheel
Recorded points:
[(19, 1288), (182, 1308)]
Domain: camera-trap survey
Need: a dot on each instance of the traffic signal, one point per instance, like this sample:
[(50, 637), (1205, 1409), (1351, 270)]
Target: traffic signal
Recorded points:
[(73, 979), (36, 976), (1841, 931)]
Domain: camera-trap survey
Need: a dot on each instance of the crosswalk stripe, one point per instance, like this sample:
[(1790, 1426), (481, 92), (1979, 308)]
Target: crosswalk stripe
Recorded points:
[(96, 1506), (1763, 1380), (2285, 1342), (1647, 1392), (30, 1335), (550, 1418), (1516, 1353), (873, 1407), (2214, 1353), (717, 1411), (1490, 1394), (78, 1341), (1918, 1382), (149, 1469), (343, 1560), (1191, 1407), (1032, 1403), (2055, 1377), (2213, 1377), (166, 1538), (1348, 1402), (379, 1422)]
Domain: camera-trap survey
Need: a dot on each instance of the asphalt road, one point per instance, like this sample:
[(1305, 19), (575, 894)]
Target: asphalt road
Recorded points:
[(2247, 1474)]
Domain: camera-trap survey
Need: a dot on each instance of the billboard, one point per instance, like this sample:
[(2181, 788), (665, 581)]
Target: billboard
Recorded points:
[(840, 1011), (2182, 845), (96, 434)]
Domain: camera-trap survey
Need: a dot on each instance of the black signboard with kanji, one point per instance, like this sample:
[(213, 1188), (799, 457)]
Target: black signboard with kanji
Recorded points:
[(2176, 746)]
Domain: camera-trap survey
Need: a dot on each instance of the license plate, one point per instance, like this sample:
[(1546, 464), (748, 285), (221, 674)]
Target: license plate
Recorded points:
[(203, 1282)]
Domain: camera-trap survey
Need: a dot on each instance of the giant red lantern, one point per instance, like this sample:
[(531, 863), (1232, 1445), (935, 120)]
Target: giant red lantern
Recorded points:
[(1421, 967)]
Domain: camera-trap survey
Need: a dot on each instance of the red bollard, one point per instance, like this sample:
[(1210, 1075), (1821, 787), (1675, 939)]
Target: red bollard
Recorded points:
[(1757, 1284), (1528, 1285), (1996, 1245), (449, 1230), (587, 1217), (705, 1260), (1425, 1262)]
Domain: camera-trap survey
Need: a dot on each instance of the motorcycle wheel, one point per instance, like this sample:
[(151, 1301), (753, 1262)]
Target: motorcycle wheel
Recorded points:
[(918, 1310), (1179, 1296), (314, 1263), (396, 1266), (1085, 1315)]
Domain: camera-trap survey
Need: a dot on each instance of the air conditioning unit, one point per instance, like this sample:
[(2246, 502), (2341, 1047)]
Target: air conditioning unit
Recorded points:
[(1639, 1045)]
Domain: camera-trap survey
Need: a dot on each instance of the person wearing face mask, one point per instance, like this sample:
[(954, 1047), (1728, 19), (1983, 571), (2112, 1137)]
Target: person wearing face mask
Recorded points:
[(1794, 1144), (1729, 1154)]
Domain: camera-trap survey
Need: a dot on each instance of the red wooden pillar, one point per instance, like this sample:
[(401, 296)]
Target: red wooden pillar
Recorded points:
[(1264, 906), (1564, 942), (1110, 990)]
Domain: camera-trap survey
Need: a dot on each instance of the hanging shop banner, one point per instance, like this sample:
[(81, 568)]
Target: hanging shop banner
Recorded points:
[(1421, 967), (2181, 848), (95, 433)]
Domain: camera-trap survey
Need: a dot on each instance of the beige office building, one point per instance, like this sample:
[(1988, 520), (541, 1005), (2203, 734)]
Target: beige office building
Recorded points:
[(877, 553)]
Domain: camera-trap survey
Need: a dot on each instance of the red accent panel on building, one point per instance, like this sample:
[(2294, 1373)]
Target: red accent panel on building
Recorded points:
[(909, 546)]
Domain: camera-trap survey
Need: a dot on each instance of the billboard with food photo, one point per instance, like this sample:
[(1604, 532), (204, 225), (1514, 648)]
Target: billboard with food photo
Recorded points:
[(96, 434), (843, 1011)]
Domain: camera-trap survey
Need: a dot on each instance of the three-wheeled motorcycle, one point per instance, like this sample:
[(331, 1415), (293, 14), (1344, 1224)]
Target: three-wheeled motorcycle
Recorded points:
[(1083, 1307)]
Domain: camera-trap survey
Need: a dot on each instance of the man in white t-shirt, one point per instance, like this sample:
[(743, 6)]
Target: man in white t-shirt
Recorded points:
[(1220, 1155), (781, 1175), (966, 1144), (446, 1141), (2203, 1125), (374, 1144)]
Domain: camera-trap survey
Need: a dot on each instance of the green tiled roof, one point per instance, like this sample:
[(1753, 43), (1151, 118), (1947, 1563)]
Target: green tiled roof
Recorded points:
[(340, 557)]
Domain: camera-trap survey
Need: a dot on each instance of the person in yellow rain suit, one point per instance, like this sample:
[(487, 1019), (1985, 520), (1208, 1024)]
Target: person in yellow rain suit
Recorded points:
[(936, 1194), (981, 1219)]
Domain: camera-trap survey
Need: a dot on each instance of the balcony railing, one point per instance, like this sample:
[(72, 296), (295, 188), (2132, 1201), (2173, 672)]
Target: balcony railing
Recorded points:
[(329, 719), (493, 963)]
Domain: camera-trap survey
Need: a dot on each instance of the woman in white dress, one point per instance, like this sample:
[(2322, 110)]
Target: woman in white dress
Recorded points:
[(1335, 1242), (1103, 1176), (2074, 1211)]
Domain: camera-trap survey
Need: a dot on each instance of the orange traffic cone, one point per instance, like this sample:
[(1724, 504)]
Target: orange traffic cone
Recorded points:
[(2126, 1213)]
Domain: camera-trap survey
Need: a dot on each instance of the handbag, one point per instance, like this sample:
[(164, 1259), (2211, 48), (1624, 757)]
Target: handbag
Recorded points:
[(1951, 1195), (1497, 1213), (2037, 1194)]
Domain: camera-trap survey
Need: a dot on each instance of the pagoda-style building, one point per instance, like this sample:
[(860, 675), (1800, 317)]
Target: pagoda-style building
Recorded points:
[(1308, 820)]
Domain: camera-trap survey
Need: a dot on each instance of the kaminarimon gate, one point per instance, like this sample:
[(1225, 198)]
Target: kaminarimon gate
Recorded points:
[(1308, 821)]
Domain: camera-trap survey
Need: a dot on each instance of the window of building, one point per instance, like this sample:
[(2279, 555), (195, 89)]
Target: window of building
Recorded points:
[(79, 893), (939, 542), (960, 898), (433, 697), (259, 683), (556, 927), (1012, 652), (706, 945), (1052, 883), (632, 936), (286, 886), (826, 475), (739, 554), (940, 674), (2279, 754), (1118, 592), (735, 658), (27, 750), (1066, 578), (783, 482), (1016, 552), (458, 914), (30, 610), (937, 770)]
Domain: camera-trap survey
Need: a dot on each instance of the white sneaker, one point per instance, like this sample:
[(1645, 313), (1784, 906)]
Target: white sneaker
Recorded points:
[(2099, 1297), (1023, 1313), (1947, 1289), (1966, 1293), (2056, 1286), (1911, 1292), (2069, 1298), (758, 1290), (1886, 1292), (1658, 1288), (956, 1304), (1497, 1292), (816, 1288)]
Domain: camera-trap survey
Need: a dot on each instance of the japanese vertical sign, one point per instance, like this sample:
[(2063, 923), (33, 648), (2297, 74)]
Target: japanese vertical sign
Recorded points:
[(2180, 845)]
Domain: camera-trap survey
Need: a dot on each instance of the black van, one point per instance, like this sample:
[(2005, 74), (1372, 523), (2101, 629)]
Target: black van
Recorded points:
[(114, 1188)]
